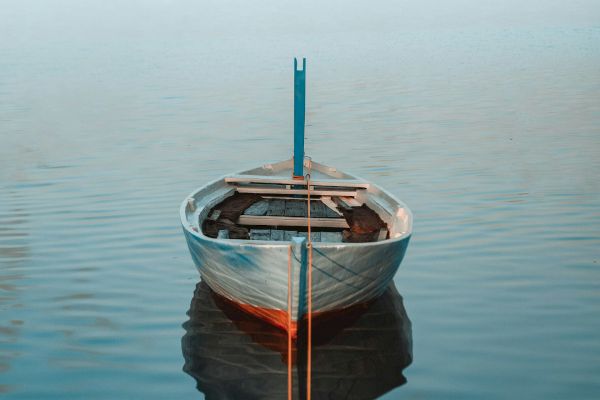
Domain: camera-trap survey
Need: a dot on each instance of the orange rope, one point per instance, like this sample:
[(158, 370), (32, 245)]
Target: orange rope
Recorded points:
[(289, 321), (309, 245)]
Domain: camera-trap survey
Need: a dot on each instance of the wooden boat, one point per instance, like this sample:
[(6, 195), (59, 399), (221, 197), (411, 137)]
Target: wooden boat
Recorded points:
[(359, 353), (258, 237)]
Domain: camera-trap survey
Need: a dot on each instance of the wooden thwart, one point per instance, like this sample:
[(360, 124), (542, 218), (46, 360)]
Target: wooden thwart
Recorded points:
[(317, 192), (349, 183), (266, 220)]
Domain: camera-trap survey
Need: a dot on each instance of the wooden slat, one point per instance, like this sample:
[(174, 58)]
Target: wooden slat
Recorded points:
[(319, 210), (276, 207), (268, 197), (351, 202), (295, 208), (341, 203), (258, 208), (292, 221), (350, 183), (315, 236), (288, 235), (260, 234), (331, 237), (330, 204), (265, 190), (276, 234)]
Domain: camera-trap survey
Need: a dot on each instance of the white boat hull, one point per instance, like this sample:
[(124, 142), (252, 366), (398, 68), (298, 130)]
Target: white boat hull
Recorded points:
[(254, 273)]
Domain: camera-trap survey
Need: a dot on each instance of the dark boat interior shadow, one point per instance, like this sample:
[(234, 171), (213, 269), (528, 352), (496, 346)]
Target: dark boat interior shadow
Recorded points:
[(359, 353)]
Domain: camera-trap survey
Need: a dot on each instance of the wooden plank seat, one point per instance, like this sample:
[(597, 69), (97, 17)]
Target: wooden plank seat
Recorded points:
[(266, 180), (269, 220), (283, 191)]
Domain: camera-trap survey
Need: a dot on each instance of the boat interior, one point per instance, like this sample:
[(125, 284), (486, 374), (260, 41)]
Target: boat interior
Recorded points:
[(265, 204)]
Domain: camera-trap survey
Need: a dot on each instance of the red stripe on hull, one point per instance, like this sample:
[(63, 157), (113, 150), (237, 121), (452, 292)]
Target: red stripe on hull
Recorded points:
[(279, 319)]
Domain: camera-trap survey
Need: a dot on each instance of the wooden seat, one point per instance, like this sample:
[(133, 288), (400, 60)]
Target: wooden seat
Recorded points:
[(304, 192), (269, 220), (267, 180)]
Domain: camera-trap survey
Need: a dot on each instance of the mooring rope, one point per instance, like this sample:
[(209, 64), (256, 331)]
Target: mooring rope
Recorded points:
[(289, 321), (309, 284), (309, 295)]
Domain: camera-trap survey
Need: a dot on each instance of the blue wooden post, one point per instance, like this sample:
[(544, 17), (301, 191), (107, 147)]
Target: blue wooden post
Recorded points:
[(299, 110)]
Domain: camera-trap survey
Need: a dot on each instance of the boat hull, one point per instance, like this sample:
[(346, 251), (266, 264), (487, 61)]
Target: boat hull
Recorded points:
[(254, 273), (256, 276)]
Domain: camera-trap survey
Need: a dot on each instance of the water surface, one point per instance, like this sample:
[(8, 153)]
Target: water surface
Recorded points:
[(482, 118)]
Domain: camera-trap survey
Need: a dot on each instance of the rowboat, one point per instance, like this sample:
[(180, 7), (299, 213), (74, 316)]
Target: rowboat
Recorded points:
[(359, 354), (295, 237)]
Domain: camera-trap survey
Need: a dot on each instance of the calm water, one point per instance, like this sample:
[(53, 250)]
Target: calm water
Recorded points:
[(483, 119)]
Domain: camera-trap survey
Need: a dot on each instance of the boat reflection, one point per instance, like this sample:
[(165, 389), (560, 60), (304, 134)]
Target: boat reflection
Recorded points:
[(357, 354)]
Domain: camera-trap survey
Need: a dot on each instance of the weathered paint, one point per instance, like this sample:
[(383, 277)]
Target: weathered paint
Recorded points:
[(254, 272)]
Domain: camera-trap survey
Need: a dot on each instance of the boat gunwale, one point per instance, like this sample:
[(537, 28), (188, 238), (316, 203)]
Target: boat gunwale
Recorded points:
[(270, 243)]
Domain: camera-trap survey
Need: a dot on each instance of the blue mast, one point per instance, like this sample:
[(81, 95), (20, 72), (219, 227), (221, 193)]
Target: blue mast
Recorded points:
[(299, 110)]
